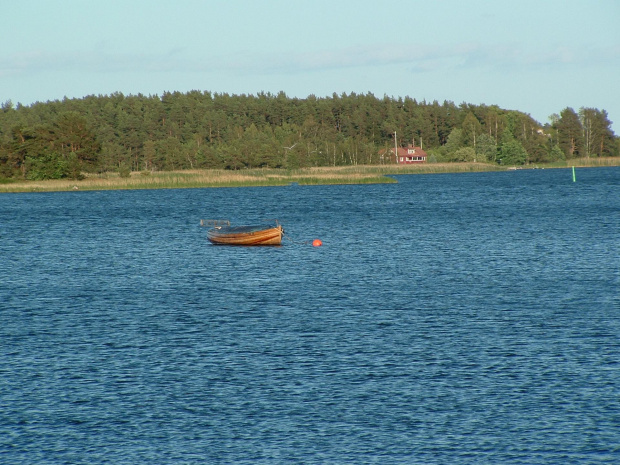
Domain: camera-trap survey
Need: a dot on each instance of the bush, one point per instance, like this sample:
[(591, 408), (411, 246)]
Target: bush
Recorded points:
[(50, 166), (124, 171), (464, 154), (557, 154)]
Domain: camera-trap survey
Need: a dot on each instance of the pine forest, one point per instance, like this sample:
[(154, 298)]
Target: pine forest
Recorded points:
[(204, 130)]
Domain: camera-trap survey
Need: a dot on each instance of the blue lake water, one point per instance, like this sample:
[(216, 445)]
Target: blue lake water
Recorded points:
[(452, 318)]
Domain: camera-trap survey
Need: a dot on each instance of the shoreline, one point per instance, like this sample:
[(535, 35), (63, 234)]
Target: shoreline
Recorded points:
[(360, 174)]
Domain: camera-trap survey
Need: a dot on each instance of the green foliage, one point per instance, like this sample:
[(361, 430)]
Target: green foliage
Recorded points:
[(570, 133), (124, 171), (177, 131), (74, 166), (486, 148), (511, 151), (453, 144), (48, 166), (598, 138), (464, 154), (434, 156), (60, 148), (471, 130), (556, 154)]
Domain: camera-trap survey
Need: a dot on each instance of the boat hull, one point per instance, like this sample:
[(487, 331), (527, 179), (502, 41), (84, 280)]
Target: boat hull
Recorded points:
[(245, 235)]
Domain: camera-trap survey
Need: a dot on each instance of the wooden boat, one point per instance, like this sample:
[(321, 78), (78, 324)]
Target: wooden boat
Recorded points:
[(222, 233)]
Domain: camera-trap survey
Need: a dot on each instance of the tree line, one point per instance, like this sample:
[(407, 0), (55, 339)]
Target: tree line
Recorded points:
[(200, 129)]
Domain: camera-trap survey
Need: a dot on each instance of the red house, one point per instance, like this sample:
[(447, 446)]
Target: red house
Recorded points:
[(406, 155)]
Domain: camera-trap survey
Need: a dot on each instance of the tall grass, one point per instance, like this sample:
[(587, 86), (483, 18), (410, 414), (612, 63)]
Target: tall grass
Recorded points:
[(584, 162), (202, 178), (359, 174)]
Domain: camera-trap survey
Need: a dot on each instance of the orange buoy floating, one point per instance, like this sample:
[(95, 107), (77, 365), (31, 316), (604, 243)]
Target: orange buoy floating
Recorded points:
[(317, 243)]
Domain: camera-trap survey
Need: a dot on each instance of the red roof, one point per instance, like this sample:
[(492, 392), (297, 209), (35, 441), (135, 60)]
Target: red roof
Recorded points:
[(410, 152)]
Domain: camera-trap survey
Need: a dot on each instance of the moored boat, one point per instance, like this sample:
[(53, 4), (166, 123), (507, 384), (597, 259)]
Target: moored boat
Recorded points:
[(222, 233)]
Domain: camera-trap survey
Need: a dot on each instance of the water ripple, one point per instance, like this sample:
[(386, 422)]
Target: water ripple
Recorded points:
[(468, 318)]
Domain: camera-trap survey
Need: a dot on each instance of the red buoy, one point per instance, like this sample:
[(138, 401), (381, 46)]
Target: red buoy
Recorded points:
[(317, 243)]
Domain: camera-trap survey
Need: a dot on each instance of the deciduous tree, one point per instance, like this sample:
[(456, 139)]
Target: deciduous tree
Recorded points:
[(511, 151)]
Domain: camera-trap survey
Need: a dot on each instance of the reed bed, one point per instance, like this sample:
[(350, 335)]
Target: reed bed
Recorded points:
[(584, 162), (203, 178), (360, 174)]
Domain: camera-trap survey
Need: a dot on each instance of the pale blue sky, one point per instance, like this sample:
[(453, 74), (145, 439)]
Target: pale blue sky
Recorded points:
[(534, 56)]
